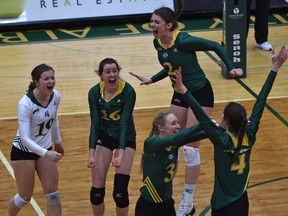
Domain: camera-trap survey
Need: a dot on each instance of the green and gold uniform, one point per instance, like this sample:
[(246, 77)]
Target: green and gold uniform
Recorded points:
[(231, 180), (160, 157), (114, 117), (182, 52)]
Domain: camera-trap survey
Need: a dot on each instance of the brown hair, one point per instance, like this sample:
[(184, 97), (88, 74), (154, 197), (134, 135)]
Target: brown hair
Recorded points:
[(236, 119), (159, 119), (168, 15), (104, 62), (36, 74)]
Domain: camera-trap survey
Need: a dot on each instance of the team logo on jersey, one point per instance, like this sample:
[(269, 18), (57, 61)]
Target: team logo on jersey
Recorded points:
[(171, 156), (47, 114), (119, 100), (165, 55), (175, 50), (37, 110), (168, 148), (159, 48)]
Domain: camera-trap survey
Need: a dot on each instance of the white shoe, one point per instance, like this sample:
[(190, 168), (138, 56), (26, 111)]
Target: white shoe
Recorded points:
[(265, 46), (186, 209)]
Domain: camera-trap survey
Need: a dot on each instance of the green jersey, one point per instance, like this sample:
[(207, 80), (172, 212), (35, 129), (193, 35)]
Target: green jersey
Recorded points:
[(182, 52), (159, 160), (231, 180), (113, 116)]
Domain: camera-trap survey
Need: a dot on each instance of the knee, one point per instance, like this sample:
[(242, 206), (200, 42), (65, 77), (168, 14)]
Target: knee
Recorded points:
[(97, 195), (53, 198), (191, 156), (19, 201), (120, 192)]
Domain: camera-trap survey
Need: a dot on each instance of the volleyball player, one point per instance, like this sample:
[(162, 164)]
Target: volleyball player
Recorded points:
[(233, 142), (112, 131), (177, 48), (32, 147)]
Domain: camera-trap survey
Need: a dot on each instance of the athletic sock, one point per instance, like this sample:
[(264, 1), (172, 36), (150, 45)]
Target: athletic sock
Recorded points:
[(188, 193)]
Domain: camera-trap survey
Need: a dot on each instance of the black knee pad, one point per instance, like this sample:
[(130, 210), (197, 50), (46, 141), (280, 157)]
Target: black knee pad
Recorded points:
[(120, 192), (97, 195)]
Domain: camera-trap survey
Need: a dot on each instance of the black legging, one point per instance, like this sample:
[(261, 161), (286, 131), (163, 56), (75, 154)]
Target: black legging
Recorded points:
[(144, 208), (261, 19), (239, 207)]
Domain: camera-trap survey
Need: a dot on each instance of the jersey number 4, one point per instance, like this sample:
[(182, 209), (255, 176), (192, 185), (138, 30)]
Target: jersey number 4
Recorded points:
[(239, 167)]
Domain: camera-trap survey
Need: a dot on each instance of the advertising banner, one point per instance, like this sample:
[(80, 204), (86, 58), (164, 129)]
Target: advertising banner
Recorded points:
[(12, 11), (31, 11)]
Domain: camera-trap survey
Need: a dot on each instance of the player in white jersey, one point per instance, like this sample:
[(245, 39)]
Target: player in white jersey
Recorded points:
[(32, 147)]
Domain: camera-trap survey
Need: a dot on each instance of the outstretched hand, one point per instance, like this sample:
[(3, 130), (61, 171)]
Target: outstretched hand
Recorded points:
[(178, 81), (144, 81), (279, 59)]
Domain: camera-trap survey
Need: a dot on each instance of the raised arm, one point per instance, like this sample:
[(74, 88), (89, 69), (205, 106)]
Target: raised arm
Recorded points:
[(213, 132), (194, 105), (277, 62), (192, 134)]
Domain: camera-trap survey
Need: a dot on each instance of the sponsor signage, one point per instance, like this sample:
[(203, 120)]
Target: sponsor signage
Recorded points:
[(13, 11)]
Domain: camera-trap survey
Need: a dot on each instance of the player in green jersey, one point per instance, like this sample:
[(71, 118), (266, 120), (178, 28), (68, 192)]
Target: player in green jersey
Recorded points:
[(233, 142), (111, 103), (159, 160), (176, 48), (32, 148)]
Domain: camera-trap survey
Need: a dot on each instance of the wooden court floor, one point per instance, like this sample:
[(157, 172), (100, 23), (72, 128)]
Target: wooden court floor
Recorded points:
[(75, 61)]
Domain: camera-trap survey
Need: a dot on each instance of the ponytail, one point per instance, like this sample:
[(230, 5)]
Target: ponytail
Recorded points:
[(242, 129), (179, 6), (236, 119)]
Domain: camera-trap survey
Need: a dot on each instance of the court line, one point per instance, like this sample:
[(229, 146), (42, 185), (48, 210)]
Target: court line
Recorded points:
[(203, 213), (157, 107), (274, 112), (10, 170)]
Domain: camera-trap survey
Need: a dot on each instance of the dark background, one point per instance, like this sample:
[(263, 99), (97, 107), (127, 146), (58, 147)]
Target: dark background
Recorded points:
[(208, 7)]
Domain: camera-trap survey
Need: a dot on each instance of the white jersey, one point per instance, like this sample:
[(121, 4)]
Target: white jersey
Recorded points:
[(38, 125)]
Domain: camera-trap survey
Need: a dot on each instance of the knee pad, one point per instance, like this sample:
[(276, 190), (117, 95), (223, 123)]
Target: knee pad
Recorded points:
[(19, 202), (97, 195), (191, 156), (53, 198), (120, 192)]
